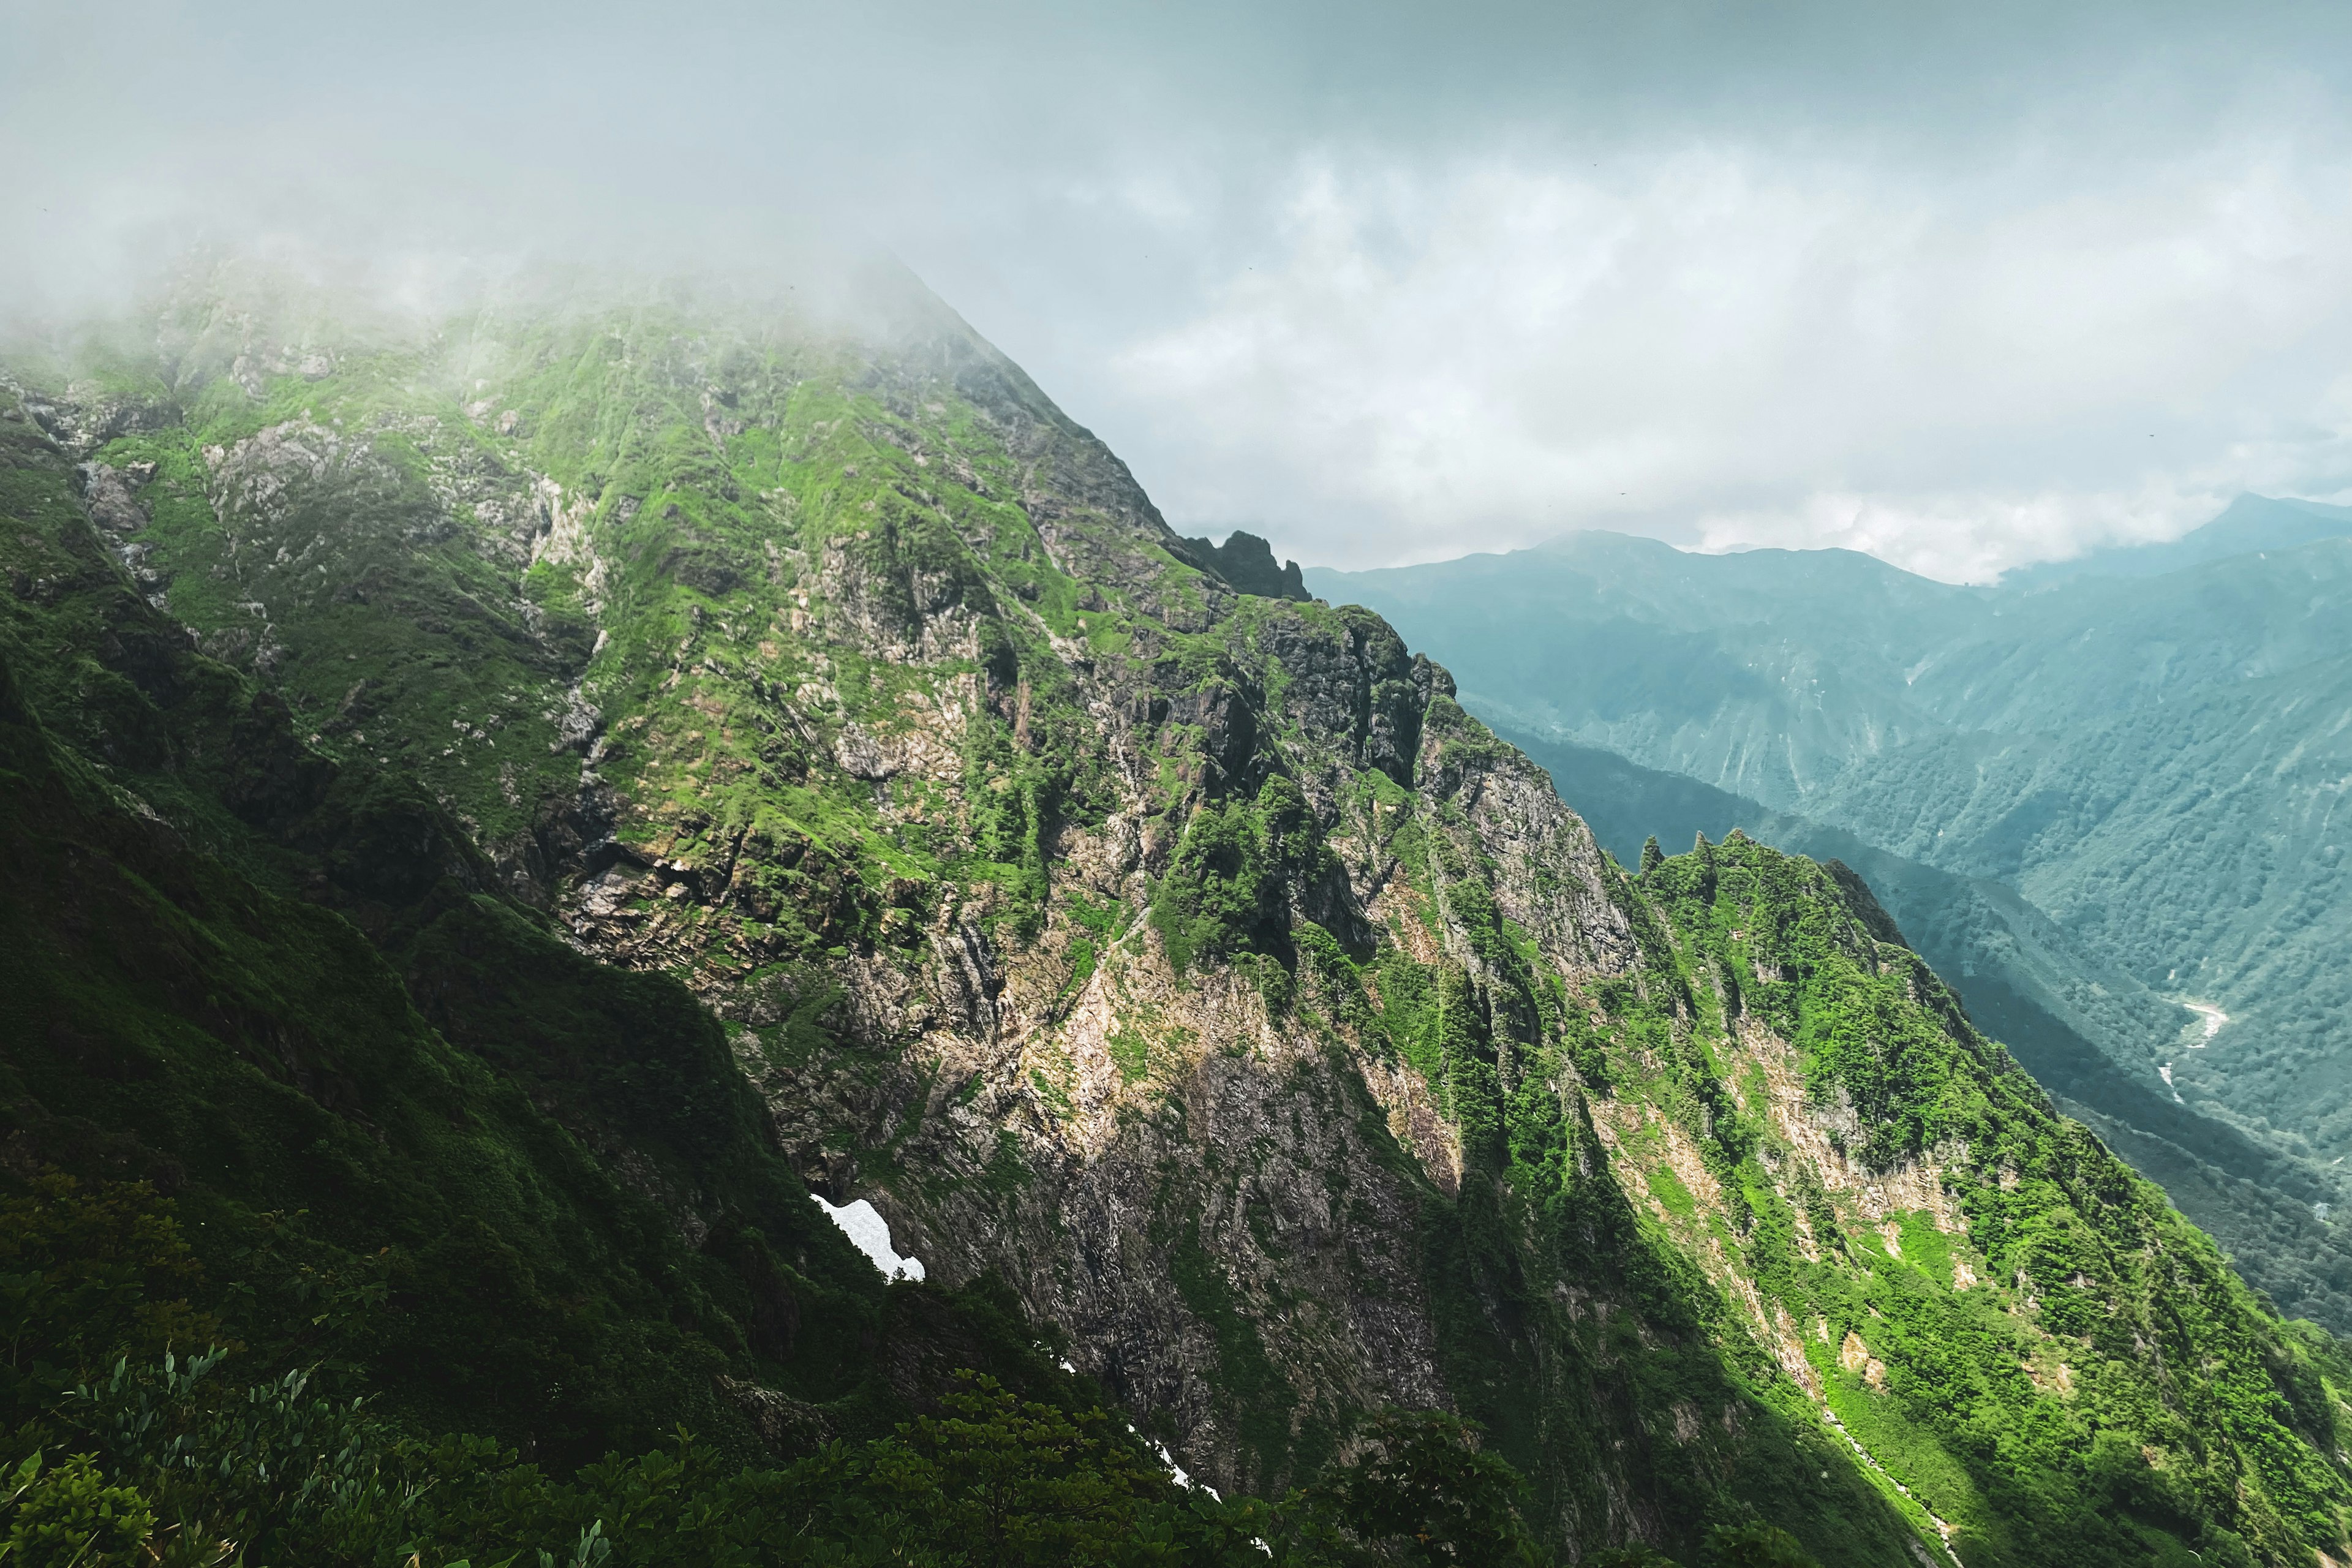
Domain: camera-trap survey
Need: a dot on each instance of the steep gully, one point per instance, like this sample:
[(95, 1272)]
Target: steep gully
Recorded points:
[(2213, 1021)]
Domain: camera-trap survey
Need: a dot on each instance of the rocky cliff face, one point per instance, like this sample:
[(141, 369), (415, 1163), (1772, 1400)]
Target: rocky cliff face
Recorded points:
[(1185, 956)]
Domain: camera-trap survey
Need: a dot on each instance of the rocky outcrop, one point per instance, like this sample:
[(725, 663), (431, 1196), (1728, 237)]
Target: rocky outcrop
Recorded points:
[(1247, 563)]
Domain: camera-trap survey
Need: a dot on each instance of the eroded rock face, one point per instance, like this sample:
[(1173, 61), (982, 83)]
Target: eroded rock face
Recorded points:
[(111, 494), (1199, 1177), (84, 417), (1215, 1180)]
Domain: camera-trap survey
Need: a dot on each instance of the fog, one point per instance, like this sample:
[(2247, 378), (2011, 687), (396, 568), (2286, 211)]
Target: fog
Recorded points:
[(1964, 287)]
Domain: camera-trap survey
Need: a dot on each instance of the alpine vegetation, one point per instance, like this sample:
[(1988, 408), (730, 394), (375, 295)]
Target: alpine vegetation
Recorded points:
[(505, 807)]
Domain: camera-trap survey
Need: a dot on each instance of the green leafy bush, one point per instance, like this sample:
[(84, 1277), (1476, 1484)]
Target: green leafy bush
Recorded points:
[(1226, 892), (1754, 1546), (67, 1516), (177, 1464)]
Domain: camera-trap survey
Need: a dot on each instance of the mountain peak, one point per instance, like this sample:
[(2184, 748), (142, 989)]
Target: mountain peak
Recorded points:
[(1247, 563), (2247, 524)]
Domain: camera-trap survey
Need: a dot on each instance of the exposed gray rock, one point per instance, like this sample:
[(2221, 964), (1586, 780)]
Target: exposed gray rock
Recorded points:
[(111, 495)]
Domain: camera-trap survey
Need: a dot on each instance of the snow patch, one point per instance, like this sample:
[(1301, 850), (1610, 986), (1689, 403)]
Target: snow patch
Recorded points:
[(1177, 1470), (870, 1232)]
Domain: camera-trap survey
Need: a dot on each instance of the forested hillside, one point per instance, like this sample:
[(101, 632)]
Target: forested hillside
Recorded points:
[(507, 804), (2145, 750)]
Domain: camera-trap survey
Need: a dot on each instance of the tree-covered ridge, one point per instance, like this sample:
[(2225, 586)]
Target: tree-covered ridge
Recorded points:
[(2048, 998), (835, 899), (2044, 1351), (831, 717), (2146, 765)]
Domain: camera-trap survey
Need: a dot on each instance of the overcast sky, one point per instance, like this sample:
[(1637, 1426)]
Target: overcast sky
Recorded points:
[(1964, 286)]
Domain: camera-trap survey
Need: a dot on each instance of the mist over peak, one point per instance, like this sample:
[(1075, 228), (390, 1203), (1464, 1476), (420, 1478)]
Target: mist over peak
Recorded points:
[(1963, 291)]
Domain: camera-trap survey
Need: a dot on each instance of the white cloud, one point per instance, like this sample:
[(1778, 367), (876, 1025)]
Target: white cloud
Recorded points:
[(1731, 347), (1964, 536), (1383, 281)]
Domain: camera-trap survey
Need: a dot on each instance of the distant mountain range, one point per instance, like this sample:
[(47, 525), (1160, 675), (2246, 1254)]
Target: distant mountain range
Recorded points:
[(2092, 795), (2249, 523)]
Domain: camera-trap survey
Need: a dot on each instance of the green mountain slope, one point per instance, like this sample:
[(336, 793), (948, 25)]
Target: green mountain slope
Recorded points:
[(743, 740), (2193, 839), (2152, 762), (410, 1134), (2078, 1023)]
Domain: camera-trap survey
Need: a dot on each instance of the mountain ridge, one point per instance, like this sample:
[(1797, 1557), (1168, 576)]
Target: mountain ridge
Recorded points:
[(2167, 801), (2250, 523), (1187, 960), (2073, 1020)]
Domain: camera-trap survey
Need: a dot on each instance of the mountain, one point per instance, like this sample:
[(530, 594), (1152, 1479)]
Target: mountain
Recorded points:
[(505, 806), (2249, 524), (2149, 762), (2075, 1019), (1759, 674)]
